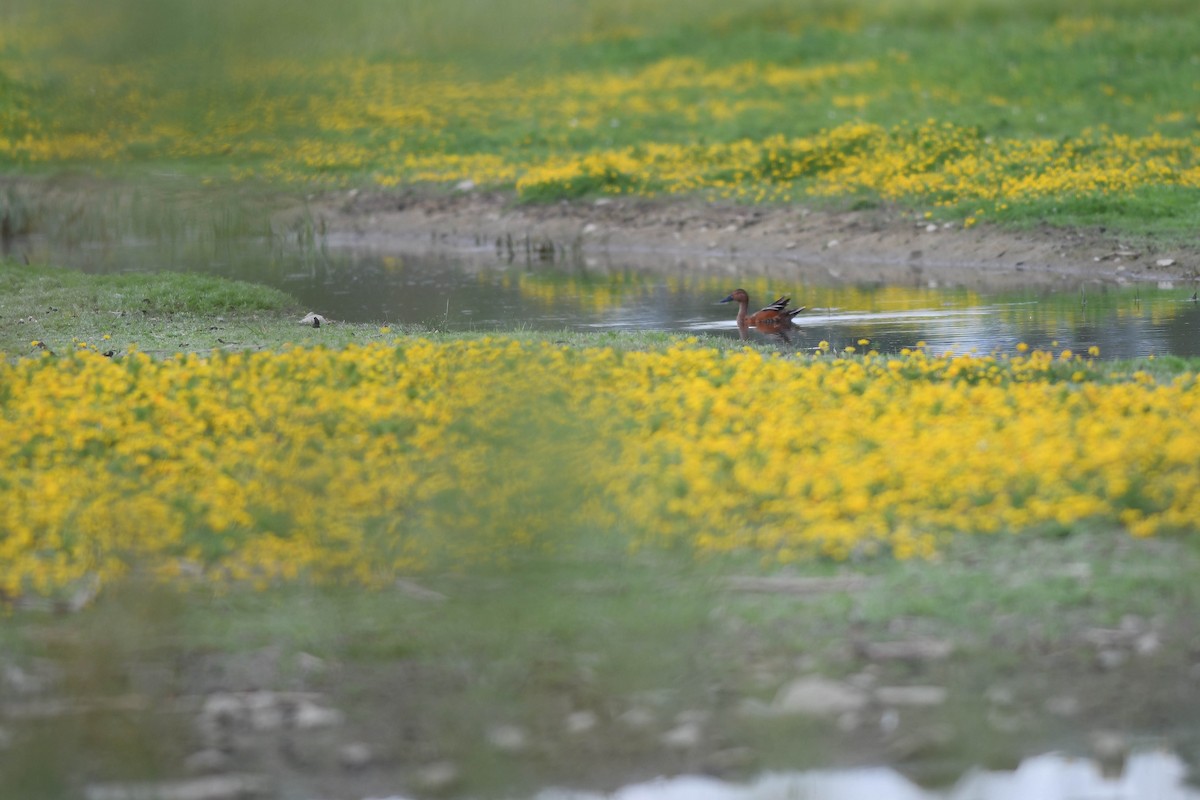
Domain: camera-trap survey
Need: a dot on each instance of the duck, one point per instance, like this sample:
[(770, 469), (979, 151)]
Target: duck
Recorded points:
[(774, 320)]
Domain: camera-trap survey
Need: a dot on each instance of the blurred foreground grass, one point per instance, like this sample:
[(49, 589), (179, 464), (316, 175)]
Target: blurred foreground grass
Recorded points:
[(423, 670)]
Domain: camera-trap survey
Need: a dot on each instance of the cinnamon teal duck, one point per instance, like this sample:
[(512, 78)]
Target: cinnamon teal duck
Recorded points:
[(774, 320)]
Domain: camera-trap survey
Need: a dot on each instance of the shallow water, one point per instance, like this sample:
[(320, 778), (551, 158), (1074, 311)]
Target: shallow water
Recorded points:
[(1145, 776), (484, 292), (1121, 321)]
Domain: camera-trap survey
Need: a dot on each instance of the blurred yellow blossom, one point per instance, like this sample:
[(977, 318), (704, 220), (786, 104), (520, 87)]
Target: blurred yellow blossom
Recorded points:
[(360, 464)]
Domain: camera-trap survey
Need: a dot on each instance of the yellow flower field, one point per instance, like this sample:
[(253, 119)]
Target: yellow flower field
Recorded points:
[(360, 464)]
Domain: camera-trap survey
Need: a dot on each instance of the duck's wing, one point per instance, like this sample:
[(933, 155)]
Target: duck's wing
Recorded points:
[(791, 312), (779, 305)]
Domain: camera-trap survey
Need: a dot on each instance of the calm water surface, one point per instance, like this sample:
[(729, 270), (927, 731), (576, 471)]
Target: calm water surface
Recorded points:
[(1145, 776), (486, 293), (481, 292)]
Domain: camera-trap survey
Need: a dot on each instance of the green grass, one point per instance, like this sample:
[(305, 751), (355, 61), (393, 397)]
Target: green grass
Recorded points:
[(982, 65), (159, 313)]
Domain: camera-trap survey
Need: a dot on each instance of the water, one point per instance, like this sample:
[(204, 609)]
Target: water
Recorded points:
[(1122, 321), (1145, 776), (482, 292)]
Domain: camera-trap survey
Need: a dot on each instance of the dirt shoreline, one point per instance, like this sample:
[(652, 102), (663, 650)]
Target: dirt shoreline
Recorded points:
[(883, 245)]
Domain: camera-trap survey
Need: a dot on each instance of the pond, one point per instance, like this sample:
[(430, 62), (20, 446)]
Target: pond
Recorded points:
[(483, 292)]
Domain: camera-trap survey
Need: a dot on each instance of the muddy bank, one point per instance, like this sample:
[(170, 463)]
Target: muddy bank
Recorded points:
[(870, 245)]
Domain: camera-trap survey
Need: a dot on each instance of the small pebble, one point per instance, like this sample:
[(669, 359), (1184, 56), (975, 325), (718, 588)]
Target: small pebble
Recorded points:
[(508, 738), (683, 737), (355, 755), (438, 777), (581, 721)]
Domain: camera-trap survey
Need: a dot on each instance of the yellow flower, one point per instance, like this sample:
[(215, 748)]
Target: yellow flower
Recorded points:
[(356, 465)]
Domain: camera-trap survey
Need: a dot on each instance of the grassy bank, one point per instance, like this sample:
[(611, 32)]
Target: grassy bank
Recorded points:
[(942, 107)]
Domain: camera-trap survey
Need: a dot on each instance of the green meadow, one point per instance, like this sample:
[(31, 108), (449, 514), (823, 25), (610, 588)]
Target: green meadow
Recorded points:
[(1022, 112), (434, 536)]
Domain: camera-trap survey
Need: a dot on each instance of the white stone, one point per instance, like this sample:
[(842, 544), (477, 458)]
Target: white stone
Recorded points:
[(1147, 643), (581, 721), (818, 696), (310, 664), (1063, 706), (309, 715), (1108, 745), (355, 755), (437, 777), (266, 711), (508, 738), (683, 737), (1111, 658), (22, 682), (223, 705)]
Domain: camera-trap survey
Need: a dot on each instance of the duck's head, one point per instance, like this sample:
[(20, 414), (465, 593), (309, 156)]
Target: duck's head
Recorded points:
[(737, 296)]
